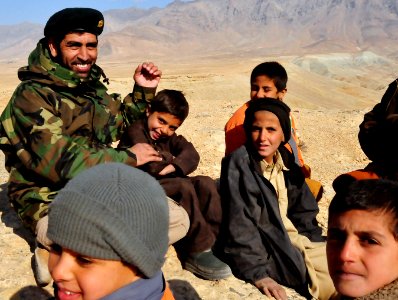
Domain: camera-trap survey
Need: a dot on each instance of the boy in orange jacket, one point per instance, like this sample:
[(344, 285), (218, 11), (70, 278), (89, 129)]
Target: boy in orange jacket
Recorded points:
[(268, 80)]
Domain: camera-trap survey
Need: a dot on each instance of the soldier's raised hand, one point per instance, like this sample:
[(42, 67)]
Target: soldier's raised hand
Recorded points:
[(147, 74)]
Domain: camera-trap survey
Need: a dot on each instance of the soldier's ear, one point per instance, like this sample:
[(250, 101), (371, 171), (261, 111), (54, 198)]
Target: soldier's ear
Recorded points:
[(53, 47)]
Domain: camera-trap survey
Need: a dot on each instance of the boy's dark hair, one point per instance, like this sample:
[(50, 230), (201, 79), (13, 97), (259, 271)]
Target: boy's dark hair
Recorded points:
[(172, 102), (371, 195), (274, 71)]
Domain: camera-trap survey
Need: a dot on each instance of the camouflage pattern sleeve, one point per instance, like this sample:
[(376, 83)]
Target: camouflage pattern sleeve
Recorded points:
[(55, 138), (136, 103), (49, 136)]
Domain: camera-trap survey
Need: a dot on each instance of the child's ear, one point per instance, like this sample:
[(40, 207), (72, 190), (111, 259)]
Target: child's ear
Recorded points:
[(281, 94), (148, 111)]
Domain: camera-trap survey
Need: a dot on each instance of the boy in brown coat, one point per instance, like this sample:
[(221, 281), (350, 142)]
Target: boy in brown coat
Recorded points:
[(198, 195)]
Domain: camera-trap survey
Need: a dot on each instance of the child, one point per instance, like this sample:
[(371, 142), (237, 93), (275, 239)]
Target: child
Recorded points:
[(109, 227), (269, 234), (378, 130), (269, 80), (377, 139), (362, 242), (198, 195)]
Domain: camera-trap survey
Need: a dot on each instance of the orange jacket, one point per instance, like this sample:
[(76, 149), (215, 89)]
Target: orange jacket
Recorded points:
[(235, 134), (341, 182), (167, 295)]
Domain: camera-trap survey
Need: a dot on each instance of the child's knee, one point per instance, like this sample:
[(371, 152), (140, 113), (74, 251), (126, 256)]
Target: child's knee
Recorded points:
[(178, 221)]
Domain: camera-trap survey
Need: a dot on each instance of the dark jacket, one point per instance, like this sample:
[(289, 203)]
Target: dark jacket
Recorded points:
[(175, 150), (253, 240), (378, 131), (378, 139)]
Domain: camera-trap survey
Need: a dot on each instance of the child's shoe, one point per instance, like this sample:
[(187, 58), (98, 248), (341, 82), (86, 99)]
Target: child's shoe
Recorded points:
[(207, 266)]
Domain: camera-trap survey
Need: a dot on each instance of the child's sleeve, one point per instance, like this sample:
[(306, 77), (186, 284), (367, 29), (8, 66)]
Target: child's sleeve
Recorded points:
[(186, 158)]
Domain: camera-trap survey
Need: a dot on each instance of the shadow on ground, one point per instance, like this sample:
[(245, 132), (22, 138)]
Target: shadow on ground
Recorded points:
[(11, 220), (30, 293), (183, 290)]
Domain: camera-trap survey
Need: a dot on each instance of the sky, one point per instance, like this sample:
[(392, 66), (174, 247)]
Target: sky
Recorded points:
[(38, 11)]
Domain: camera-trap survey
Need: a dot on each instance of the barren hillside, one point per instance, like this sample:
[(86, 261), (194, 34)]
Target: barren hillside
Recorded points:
[(266, 27)]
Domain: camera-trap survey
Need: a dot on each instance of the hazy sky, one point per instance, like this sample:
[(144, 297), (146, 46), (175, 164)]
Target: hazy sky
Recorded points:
[(38, 11)]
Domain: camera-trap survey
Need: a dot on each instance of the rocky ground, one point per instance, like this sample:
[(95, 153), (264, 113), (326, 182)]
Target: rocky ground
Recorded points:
[(329, 145)]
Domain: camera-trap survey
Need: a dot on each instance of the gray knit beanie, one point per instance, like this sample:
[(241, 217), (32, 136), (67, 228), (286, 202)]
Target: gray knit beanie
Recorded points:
[(113, 211)]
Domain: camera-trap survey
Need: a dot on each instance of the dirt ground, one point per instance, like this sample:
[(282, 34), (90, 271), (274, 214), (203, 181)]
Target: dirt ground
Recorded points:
[(215, 89)]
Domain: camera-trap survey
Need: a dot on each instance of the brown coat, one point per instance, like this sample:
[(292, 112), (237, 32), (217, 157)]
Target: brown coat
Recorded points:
[(175, 150), (198, 195)]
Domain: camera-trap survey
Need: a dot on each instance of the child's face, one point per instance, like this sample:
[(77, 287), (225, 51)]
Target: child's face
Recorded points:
[(263, 86), (162, 124), (79, 277), (362, 251), (266, 134)]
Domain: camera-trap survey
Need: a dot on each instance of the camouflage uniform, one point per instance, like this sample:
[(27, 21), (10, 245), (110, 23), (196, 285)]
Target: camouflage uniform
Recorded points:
[(57, 125)]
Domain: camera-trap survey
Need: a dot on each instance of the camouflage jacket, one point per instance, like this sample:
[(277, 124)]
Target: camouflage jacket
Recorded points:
[(57, 125)]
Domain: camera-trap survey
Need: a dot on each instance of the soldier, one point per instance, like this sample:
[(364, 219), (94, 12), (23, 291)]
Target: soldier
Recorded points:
[(61, 121)]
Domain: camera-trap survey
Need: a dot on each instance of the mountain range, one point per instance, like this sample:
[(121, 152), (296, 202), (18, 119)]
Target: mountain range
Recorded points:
[(234, 27)]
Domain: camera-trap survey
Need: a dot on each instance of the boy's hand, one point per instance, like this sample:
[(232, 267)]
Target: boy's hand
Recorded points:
[(271, 288), (144, 153), (147, 75), (167, 170)]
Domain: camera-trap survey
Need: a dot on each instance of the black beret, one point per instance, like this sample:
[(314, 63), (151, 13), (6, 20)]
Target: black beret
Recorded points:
[(277, 107), (74, 19)]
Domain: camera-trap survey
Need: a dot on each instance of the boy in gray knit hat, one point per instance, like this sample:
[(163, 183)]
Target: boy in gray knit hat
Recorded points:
[(109, 228)]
